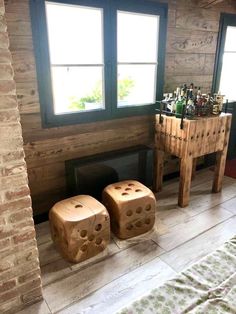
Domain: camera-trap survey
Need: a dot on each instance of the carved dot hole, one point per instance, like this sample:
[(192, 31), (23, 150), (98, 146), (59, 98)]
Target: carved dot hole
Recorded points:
[(117, 187), (223, 131), (219, 132), (129, 213), (198, 136), (98, 227), (130, 184), (139, 210), (138, 190), (78, 206), (208, 133), (147, 221), (129, 226), (128, 189), (125, 194), (98, 241), (138, 224), (202, 134), (190, 154), (191, 137), (83, 233), (148, 207), (84, 248), (91, 237), (214, 132)]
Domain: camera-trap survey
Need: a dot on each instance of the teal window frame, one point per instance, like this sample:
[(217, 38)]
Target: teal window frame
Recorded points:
[(111, 111)]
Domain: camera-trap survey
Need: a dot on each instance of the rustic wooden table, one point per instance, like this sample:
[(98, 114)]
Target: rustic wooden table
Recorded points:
[(197, 138)]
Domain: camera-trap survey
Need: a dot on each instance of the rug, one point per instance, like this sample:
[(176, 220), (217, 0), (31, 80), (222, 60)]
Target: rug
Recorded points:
[(230, 168), (208, 286)]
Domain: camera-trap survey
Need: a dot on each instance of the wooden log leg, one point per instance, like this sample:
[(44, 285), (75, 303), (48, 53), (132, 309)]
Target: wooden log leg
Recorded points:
[(158, 170), (219, 171), (221, 159), (186, 166), (194, 168)]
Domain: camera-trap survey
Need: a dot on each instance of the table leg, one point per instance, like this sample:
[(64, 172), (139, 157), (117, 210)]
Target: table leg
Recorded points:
[(219, 171), (158, 170), (221, 159), (194, 168), (186, 166)]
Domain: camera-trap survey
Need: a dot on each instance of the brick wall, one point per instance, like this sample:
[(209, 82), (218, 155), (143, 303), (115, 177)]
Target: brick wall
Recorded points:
[(20, 282)]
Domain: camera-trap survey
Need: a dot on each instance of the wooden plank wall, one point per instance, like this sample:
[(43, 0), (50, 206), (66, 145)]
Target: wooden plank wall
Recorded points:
[(191, 45)]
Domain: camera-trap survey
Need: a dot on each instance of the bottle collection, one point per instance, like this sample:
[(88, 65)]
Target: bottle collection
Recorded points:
[(193, 102)]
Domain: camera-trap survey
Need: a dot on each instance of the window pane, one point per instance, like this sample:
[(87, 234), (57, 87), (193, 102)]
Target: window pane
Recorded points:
[(137, 37), (227, 80), (230, 41), (75, 34), (77, 88), (136, 85)]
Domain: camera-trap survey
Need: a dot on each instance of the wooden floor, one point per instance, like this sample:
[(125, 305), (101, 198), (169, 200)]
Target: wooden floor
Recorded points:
[(129, 268)]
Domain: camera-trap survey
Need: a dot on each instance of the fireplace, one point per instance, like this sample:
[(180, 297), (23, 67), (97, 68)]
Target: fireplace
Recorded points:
[(90, 175)]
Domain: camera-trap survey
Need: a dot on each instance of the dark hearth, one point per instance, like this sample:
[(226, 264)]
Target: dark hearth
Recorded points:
[(90, 175)]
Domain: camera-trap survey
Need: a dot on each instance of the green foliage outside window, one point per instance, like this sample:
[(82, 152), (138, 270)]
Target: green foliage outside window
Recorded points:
[(124, 88)]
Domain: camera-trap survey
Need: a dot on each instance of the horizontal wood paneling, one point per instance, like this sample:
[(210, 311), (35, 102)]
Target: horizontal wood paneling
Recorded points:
[(182, 40), (189, 64), (33, 131), (201, 19), (191, 45)]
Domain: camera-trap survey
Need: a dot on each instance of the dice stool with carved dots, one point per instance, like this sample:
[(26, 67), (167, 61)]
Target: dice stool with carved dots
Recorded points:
[(131, 206), (80, 227)]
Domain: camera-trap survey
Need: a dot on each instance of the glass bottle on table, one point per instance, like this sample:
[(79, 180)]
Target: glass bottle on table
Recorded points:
[(179, 107), (190, 104)]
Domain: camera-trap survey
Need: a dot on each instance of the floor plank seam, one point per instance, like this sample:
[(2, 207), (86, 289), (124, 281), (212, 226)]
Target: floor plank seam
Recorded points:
[(195, 215), (167, 251), (48, 306)]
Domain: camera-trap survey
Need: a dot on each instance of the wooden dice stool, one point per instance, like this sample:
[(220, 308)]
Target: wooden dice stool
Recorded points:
[(197, 138), (80, 227), (131, 206)]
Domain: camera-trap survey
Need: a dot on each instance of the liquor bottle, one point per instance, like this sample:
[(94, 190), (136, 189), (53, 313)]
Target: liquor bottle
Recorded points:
[(191, 91), (190, 104), (208, 105), (198, 105), (177, 92), (199, 91), (184, 90), (179, 107)]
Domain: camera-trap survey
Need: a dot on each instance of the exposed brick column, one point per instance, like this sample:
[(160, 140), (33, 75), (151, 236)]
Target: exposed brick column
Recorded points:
[(20, 282)]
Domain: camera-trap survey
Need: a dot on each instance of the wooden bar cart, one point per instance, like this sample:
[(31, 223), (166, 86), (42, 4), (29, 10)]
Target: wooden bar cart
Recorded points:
[(189, 140)]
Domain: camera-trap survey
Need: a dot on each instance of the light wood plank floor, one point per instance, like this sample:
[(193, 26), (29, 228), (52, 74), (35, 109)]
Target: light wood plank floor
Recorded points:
[(129, 268)]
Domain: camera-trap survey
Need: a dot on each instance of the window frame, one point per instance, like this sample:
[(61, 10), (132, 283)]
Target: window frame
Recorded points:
[(226, 19), (111, 111)]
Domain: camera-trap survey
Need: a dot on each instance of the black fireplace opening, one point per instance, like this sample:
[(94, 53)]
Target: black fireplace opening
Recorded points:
[(90, 175)]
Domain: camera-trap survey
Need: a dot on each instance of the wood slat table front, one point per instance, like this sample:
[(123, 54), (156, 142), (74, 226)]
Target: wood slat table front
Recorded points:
[(198, 137)]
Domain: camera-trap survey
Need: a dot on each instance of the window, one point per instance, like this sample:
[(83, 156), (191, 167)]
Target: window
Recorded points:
[(98, 59), (225, 68)]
